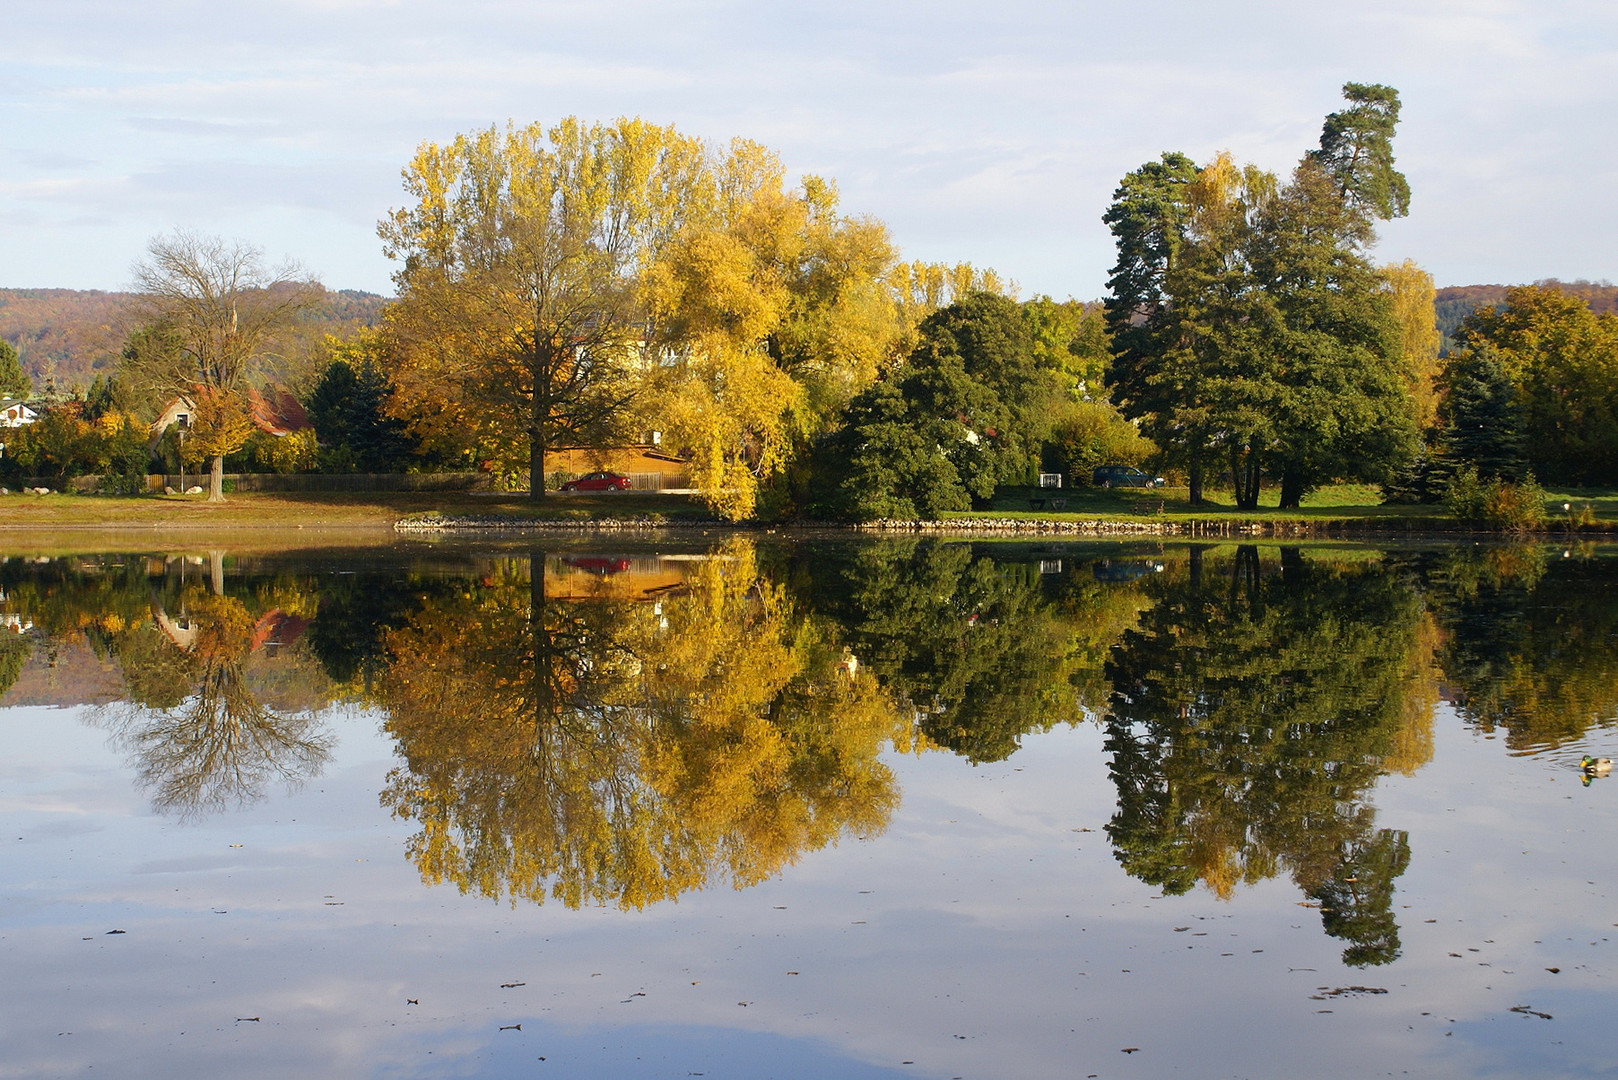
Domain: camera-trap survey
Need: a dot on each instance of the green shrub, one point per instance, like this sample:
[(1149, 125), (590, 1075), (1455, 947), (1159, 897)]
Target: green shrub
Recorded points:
[(1090, 433), (1496, 504)]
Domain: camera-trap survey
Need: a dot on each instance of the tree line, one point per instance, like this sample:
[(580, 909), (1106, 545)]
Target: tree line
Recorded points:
[(615, 283)]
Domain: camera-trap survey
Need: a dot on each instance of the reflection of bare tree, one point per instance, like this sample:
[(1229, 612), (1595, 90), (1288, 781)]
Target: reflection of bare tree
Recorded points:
[(218, 746)]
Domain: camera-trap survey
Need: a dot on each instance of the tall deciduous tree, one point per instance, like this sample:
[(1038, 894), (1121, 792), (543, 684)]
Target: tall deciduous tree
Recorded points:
[(522, 314), (1414, 298), (222, 308)]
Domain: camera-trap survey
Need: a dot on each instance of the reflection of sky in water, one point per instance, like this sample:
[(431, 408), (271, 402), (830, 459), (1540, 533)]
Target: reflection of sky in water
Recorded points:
[(982, 935)]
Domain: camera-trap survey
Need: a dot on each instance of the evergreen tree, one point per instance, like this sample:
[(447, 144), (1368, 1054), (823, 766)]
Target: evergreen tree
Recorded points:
[(14, 381), (1149, 218), (968, 411), (1483, 420), (1247, 321), (348, 408)]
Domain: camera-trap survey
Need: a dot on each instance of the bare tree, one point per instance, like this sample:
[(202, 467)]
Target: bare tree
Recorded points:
[(225, 308)]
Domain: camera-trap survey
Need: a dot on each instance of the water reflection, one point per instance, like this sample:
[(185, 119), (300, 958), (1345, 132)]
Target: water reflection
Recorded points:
[(1252, 710), (620, 728), (606, 749), (204, 728)]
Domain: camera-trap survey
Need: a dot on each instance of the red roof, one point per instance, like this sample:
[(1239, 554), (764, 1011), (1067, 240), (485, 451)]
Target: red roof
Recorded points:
[(276, 411)]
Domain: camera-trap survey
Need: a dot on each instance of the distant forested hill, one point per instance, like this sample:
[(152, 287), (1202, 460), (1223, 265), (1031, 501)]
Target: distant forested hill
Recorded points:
[(71, 335), (1459, 301)]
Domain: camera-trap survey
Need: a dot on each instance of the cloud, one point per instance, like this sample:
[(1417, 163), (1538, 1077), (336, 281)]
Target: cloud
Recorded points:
[(991, 134)]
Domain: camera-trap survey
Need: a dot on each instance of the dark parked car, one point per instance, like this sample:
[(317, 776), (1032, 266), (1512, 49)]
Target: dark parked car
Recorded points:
[(1111, 476), (598, 481)]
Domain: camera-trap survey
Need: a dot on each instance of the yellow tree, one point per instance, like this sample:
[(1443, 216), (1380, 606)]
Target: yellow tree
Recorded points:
[(719, 293), (223, 309), (521, 317), (1413, 295), (771, 314)]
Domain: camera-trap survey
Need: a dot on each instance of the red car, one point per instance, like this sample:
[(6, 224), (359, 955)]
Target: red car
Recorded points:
[(598, 481)]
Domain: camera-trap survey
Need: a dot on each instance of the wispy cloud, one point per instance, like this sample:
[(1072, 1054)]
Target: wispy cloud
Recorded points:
[(988, 133)]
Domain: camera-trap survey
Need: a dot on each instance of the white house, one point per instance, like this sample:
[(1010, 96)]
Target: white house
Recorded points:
[(14, 412)]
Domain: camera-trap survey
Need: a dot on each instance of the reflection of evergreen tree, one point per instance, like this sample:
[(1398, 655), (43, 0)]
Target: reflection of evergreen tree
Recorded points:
[(1356, 904), (15, 649), (1532, 643), (972, 644), (355, 613), (1252, 711)]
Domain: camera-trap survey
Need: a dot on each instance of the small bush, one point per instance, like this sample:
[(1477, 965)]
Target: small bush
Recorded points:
[(1496, 504)]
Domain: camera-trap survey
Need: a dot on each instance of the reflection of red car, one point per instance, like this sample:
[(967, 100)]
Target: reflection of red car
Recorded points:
[(598, 481), (598, 564)]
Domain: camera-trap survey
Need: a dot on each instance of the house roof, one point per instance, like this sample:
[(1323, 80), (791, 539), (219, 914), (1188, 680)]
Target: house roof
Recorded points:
[(274, 411)]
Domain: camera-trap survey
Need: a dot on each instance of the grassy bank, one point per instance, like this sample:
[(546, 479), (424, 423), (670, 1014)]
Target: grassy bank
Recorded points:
[(1339, 507), (337, 511), (364, 517)]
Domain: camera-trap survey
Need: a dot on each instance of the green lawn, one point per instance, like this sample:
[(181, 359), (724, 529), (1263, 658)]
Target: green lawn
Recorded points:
[(1343, 503), (368, 514), (326, 510), (1338, 501)]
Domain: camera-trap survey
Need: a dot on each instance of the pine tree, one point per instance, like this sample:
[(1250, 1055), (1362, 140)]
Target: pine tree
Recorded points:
[(1484, 422)]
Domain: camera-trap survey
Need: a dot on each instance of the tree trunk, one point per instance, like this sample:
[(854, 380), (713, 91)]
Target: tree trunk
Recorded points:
[(538, 641), (1291, 490), (216, 479), (1193, 474), (536, 468), (536, 427), (1244, 473)]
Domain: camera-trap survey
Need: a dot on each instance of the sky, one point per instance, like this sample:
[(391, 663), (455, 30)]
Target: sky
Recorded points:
[(986, 132)]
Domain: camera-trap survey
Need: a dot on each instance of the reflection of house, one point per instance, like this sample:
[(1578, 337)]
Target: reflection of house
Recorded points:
[(274, 629), (14, 412), (614, 577), (648, 466), (277, 629)]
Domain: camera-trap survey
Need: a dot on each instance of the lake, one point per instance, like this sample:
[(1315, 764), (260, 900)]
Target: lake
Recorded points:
[(745, 807)]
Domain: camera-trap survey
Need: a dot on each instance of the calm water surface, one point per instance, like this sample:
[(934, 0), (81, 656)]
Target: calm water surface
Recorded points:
[(886, 809)]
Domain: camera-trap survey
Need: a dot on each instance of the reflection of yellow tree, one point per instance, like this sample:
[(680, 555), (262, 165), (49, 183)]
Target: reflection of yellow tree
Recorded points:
[(201, 738), (609, 751)]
